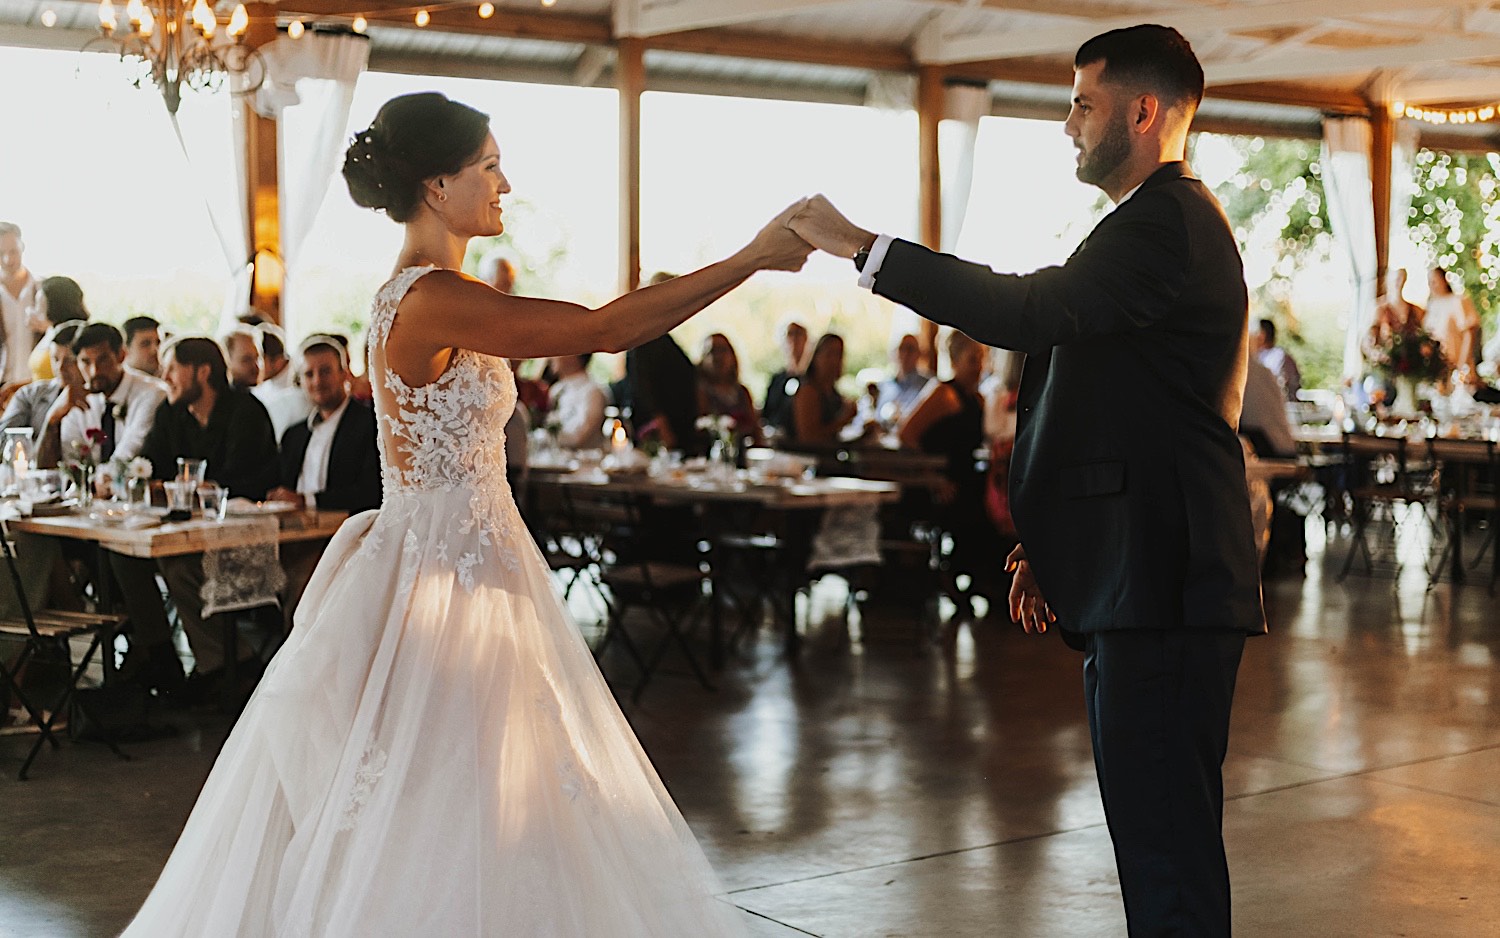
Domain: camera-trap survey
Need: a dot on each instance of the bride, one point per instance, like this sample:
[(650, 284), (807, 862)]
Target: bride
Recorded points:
[(433, 751)]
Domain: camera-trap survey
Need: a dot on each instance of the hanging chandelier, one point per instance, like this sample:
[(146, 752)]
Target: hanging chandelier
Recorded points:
[(179, 45)]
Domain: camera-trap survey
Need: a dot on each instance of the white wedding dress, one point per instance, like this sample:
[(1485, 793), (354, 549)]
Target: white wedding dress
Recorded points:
[(434, 752)]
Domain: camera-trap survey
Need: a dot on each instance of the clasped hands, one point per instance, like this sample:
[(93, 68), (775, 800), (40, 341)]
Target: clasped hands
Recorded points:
[(808, 224)]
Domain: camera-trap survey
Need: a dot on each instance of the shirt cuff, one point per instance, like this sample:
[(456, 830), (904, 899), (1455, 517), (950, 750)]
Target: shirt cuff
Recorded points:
[(872, 263)]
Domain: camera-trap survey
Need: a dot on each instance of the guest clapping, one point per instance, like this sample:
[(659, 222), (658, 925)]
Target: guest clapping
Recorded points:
[(819, 413), (720, 392), (576, 403), (330, 460)]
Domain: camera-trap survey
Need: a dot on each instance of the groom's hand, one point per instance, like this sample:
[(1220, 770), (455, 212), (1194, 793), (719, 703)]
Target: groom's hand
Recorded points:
[(1026, 603), (825, 228)]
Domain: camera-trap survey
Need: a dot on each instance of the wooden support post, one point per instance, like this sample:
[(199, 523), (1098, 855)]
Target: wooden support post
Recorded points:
[(262, 188), (630, 72), (931, 105), (1382, 141)]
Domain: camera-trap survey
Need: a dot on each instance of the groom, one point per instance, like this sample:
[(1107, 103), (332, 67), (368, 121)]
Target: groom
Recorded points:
[(1132, 511)]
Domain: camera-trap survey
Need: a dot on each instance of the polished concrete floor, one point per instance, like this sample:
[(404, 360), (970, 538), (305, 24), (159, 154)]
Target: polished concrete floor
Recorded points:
[(884, 785)]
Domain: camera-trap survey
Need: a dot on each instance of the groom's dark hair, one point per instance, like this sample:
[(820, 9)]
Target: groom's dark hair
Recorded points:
[(1148, 58)]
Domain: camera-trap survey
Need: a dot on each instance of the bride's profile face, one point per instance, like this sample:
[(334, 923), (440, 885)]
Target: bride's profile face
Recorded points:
[(473, 204)]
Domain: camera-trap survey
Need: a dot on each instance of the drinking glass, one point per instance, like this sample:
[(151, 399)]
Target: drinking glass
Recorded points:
[(213, 499), (180, 495), (192, 470)]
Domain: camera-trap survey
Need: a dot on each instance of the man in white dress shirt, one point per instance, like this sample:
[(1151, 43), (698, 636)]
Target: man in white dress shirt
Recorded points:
[(1277, 360), (120, 406), (577, 403), (22, 308)]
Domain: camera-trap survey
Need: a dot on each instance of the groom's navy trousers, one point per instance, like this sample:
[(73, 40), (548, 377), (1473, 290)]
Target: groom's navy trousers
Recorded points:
[(1127, 486)]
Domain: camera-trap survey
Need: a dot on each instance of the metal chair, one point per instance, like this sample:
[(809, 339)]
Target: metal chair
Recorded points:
[(1468, 482), (1381, 478), (51, 630), (669, 591)]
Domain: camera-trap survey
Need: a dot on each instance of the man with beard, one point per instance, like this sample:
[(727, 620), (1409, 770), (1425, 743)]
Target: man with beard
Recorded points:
[(1134, 522)]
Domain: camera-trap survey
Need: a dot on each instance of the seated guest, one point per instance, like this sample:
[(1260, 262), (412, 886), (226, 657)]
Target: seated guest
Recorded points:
[(201, 418), (660, 391), (901, 391), (29, 406), (119, 409), (1263, 419), (142, 343), (1276, 359), (242, 351), (948, 421), (277, 386), (577, 403), (330, 460), (204, 418), (720, 393), (776, 410), (62, 302), (819, 414)]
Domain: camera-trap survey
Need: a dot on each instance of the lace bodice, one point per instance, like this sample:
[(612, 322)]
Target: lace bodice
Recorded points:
[(448, 433), (448, 437)]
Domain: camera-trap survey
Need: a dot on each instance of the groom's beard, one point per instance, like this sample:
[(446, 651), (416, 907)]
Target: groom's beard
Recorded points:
[(1100, 161)]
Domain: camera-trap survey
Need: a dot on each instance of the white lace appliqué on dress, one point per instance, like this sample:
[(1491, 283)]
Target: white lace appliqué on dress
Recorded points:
[(447, 435)]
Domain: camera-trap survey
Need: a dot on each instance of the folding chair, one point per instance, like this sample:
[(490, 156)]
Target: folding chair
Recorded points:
[(1380, 478), (570, 547), (1468, 482), (41, 630), (669, 591)]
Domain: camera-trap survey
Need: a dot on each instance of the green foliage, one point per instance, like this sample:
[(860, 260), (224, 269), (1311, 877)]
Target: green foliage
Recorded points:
[(1455, 217), (1280, 185)]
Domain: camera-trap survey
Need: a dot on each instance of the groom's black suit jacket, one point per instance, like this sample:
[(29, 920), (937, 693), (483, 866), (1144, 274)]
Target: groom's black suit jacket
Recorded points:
[(1127, 479), (353, 460)]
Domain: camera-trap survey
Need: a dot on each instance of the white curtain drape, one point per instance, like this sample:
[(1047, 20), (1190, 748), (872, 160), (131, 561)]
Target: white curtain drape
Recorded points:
[(1351, 209), (1403, 191), (223, 185), (309, 90), (965, 105)]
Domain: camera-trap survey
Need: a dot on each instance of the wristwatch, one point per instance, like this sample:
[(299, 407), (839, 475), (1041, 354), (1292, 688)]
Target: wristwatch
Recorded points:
[(861, 257)]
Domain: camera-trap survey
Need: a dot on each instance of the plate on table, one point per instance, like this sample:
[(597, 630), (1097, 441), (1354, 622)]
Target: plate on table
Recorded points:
[(244, 507)]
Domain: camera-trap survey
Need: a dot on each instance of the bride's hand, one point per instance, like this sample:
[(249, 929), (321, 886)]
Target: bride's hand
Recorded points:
[(776, 246), (1026, 603)]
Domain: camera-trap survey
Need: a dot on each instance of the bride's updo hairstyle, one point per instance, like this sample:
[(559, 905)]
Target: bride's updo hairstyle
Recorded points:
[(414, 138)]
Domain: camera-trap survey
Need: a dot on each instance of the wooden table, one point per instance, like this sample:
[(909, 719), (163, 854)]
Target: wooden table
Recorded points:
[(178, 538), (174, 539), (799, 502)]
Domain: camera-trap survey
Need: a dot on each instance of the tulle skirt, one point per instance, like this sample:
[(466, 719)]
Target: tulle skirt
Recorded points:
[(434, 752)]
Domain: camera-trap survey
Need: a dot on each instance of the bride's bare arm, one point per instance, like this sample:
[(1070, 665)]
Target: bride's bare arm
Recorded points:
[(447, 310)]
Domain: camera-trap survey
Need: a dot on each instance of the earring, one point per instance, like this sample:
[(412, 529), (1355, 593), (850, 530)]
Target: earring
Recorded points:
[(442, 196)]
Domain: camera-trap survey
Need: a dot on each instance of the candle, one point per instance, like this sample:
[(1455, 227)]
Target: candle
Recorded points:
[(619, 443)]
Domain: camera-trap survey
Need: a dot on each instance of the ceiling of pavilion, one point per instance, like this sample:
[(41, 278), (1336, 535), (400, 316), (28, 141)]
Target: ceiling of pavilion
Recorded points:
[(1303, 55)]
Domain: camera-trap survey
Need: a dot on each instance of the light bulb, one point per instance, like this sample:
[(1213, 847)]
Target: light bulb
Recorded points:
[(486, 10), (239, 22), (49, 19), (423, 18), (361, 24), (296, 29), (107, 21)]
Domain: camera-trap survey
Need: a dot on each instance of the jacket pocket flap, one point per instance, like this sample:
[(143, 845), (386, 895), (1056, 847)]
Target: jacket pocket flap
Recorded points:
[(1091, 479)]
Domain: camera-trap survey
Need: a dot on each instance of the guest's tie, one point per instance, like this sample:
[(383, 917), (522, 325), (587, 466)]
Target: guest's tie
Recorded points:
[(107, 430)]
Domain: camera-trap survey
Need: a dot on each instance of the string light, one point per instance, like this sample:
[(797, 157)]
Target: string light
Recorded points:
[(49, 18), (1471, 115), (421, 16)]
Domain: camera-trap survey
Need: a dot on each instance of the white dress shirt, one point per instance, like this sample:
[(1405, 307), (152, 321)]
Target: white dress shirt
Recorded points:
[(135, 400), (579, 405), (17, 311), (314, 476)]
